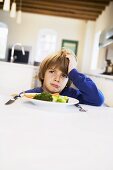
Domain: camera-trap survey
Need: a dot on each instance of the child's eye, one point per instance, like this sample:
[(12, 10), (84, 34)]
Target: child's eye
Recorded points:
[(64, 75), (51, 71)]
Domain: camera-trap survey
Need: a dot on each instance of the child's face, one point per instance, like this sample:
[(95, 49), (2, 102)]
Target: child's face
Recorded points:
[(54, 80)]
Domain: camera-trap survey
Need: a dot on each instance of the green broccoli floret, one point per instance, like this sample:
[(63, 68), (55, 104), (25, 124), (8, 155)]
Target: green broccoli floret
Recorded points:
[(43, 96)]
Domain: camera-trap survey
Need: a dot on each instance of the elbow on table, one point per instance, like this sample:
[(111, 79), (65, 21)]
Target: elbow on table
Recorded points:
[(100, 100)]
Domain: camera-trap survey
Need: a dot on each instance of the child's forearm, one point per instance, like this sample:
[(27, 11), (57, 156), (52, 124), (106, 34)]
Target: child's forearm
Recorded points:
[(87, 87)]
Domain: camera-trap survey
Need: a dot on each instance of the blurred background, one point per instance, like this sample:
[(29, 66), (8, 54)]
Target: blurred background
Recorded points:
[(44, 26)]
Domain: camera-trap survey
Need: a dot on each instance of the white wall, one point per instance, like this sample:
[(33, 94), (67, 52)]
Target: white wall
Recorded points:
[(88, 46), (92, 58), (104, 22), (27, 32)]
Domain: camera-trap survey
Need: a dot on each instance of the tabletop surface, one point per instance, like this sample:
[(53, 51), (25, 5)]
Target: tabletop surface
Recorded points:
[(44, 138)]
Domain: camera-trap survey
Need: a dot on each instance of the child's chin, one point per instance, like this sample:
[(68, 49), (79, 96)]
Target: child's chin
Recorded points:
[(54, 91)]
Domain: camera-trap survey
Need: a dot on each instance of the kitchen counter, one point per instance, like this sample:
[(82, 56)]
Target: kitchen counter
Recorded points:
[(45, 138), (110, 77), (15, 78), (17, 64), (105, 84)]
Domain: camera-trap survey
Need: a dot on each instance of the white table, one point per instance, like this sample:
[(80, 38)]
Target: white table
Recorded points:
[(36, 138)]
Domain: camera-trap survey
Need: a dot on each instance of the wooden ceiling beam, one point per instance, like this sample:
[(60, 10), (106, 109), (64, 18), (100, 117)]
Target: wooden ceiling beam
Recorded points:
[(93, 0), (61, 14), (63, 5), (75, 2), (61, 10), (60, 5), (78, 9)]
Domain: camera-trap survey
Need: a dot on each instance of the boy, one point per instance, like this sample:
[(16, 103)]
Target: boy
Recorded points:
[(58, 70)]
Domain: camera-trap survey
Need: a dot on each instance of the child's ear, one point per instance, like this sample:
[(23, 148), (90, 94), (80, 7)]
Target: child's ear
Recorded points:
[(42, 77)]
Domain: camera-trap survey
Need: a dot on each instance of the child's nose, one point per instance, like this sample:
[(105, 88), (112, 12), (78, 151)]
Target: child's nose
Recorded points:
[(57, 78)]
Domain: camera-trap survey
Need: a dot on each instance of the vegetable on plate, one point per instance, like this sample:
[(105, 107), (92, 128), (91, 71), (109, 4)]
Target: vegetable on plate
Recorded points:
[(45, 96)]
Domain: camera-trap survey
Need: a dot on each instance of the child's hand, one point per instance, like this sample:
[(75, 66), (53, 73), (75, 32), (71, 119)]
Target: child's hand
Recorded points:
[(72, 62)]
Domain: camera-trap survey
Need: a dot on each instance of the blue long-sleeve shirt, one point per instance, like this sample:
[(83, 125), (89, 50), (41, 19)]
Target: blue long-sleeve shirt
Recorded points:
[(86, 91)]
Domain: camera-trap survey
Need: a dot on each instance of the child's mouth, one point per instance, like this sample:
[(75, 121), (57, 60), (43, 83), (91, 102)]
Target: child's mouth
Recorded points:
[(55, 86)]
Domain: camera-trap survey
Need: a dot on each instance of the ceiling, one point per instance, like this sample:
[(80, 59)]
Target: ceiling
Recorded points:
[(77, 9)]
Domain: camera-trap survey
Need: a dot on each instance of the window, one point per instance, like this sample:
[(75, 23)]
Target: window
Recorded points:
[(3, 40), (46, 43)]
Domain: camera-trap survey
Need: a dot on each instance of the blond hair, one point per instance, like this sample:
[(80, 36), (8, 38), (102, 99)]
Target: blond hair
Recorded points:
[(56, 60)]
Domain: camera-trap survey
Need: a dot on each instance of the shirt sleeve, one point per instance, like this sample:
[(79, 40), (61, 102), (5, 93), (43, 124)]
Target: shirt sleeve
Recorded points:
[(89, 93), (34, 90)]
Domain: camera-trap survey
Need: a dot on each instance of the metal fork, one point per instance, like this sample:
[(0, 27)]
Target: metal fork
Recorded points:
[(81, 109), (12, 100)]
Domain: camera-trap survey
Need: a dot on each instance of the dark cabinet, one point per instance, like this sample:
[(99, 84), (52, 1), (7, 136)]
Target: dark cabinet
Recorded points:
[(18, 56)]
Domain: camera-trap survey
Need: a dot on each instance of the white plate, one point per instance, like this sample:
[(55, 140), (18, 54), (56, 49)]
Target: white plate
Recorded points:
[(71, 101)]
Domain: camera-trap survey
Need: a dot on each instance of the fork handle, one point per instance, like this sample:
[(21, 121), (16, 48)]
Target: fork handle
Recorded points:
[(80, 107)]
